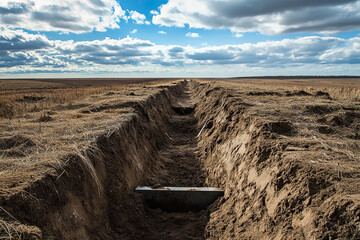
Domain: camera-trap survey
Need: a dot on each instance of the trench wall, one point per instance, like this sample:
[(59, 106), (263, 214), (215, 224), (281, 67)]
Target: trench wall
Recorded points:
[(85, 199), (267, 194)]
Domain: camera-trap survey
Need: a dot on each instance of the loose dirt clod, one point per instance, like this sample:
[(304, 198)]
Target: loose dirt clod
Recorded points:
[(297, 93), (31, 99), (15, 141)]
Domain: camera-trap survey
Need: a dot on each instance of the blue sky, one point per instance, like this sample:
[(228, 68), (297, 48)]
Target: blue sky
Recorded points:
[(178, 38)]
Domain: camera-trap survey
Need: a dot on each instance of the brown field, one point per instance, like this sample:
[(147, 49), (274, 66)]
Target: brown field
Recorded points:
[(285, 151)]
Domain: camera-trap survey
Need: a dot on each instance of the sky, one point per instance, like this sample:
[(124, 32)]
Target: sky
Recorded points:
[(178, 38)]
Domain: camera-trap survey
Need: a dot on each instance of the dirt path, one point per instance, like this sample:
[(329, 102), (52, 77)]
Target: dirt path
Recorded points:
[(182, 168)]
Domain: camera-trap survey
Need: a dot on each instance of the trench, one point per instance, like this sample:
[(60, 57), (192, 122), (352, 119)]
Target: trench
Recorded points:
[(183, 167), (180, 167)]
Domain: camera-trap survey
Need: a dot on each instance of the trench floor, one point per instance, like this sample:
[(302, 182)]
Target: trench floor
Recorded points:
[(182, 168)]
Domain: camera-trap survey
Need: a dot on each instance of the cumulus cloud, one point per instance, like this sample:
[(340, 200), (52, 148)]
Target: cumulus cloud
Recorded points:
[(138, 17), (267, 17), (61, 15), (154, 12), (134, 31), (192, 35), (19, 48), (350, 53), (22, 51), (284, 53), (162, 32)]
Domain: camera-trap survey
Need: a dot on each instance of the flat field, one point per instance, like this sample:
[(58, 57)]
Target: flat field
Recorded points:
[(286, 151)]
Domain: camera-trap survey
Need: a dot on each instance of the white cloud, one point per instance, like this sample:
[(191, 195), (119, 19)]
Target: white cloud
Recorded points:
[(24, 52), (192, 35), (61, 15), (138, 17), (134, 31), (238, 35), (350, 53), (267, 17), (162, 32), (153, 12)]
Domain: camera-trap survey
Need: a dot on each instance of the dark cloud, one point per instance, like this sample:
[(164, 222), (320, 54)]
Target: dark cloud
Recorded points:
[(19, 8), (17, 59), (267, 17), (57, 15), (98, 3), (27, 46), (240, 9), (176, 49), (167, 63), (70, 27), (328, 26), (176, 52), (19, 42), (53, 17), (9, 19)]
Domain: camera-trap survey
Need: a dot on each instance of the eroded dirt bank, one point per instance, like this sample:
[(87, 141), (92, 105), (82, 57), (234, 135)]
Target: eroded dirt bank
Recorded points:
[(284, 172), (284, 175)]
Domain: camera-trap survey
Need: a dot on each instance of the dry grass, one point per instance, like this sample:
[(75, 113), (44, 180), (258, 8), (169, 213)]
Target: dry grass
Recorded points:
[(12, 103), (35, 136), (346, 89), (57, 91)]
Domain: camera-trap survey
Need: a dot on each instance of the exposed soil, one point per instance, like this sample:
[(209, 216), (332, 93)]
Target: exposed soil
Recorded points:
[(288, 161), (181, 168)]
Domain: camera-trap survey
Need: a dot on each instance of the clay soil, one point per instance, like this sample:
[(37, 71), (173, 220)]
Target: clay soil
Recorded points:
[(285, 152)]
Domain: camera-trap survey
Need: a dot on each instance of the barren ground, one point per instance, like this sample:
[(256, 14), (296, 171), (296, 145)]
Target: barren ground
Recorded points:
[(286, 152)]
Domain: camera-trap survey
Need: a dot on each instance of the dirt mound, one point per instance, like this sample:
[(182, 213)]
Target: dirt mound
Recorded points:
[(320, 109), (326, 130), (281, 127), (264, 94), (31, 99), (297, 93), (322, 94), (344, 119)]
